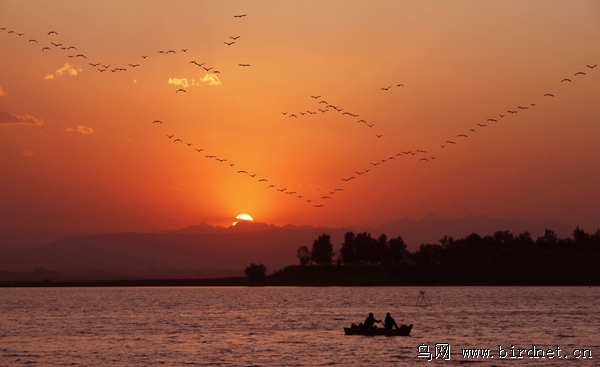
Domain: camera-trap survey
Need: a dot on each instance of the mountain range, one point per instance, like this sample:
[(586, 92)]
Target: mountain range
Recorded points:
[(203, 250)]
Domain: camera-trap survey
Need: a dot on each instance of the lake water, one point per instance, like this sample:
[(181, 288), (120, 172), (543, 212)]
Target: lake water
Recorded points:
[(295, 326)]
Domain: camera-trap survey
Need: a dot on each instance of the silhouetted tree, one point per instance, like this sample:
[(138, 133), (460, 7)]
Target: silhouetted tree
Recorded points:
[(322, 250), (348, 250), (364, 247), (548, 240), (256, 272), (304, 255), (397, 252)]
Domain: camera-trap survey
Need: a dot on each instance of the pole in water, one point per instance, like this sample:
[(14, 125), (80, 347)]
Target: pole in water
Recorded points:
[(423, 300)]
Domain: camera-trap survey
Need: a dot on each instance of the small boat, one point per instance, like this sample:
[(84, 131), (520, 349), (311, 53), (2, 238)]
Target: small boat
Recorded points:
[(403, 330)]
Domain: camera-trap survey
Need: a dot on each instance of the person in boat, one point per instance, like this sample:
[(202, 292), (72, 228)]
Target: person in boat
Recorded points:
[(389, 322), (370, 321)]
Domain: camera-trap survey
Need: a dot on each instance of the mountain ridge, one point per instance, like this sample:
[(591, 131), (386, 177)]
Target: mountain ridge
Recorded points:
[(203, 250)]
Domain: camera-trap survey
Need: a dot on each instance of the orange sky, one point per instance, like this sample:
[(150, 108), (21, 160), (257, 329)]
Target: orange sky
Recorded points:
[(79, 150)]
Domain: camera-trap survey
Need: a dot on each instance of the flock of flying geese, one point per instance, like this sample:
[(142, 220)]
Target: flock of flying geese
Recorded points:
[(73, 53), (421, 154), (323, 106)]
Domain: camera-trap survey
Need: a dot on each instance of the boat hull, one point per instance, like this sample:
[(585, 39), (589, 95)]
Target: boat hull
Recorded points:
[(403, 330)]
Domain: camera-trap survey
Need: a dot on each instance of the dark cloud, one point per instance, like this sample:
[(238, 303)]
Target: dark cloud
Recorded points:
[(7, 118)]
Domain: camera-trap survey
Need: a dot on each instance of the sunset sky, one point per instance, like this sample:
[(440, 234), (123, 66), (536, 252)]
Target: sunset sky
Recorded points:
[(79, 149)]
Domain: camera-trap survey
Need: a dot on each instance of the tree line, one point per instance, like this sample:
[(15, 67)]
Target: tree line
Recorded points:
[(500, 258)]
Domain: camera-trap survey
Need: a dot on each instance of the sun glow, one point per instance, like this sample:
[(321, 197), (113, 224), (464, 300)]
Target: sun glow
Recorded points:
[(244, 217)]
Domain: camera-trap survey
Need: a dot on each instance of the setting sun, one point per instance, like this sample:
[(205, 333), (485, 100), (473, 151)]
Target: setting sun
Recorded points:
[(244, 217)]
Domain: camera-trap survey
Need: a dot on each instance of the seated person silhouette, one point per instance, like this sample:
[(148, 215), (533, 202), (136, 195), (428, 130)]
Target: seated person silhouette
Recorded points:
[(369, 321), (390, 322)]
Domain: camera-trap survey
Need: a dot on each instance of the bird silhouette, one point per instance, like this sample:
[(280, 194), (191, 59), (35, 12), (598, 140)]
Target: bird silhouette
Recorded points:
[(134, 65), (316, 97), (473, 130), (378, 136), (481, 125), (263, 180), (501, 115), (565, 80), (244, 65), (229, 43), (180, 90), (461, 135), (234, 38), (46, 48), (318, 206), (199, 149), (157, 122), (32, 40), (494, 120), (82, 55), (170, 136), (579, 73), (189, 144), (386, 88), (268, 187), (548, 95), (400, 85), (94, 65), (52, 32), (222, 160), (242, 172), (144, 56), (211, 156), (176, 140), (239, 16), (592, 66), (184, 50)]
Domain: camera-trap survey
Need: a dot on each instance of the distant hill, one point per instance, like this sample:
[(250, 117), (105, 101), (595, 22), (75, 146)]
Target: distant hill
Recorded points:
[(205, 251)]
